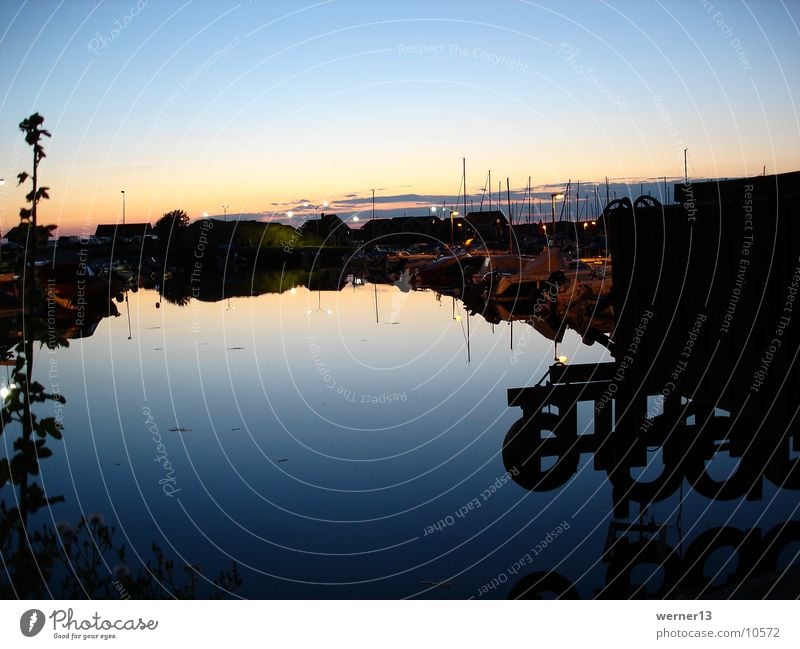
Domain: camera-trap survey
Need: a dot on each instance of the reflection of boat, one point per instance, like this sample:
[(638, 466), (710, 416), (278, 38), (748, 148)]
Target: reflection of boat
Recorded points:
[(458, 268)]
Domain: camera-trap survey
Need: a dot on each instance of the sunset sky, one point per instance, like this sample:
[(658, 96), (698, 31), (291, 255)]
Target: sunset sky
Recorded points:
[(260, 104)]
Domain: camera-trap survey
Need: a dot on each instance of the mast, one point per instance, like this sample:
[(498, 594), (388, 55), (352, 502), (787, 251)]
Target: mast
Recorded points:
[(530, 198), (510, 217), (464, 175), (685, 168)]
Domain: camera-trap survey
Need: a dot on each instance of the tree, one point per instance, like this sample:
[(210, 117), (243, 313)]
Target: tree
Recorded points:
[(169, 225)]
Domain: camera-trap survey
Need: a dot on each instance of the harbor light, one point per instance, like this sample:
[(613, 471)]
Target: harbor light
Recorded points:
[(290, 214)]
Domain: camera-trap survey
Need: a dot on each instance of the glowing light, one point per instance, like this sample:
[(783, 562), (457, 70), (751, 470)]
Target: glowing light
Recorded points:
[(290, 214), (5, 392), (205, 215), (292, 291), (562, 360), (355, 218), (457, 318)]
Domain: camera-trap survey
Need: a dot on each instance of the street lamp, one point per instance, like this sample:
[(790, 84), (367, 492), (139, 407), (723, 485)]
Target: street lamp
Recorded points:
[(225, 211), (553, 197), (453, 213), (122, 191), (324, 204), (319, 305)]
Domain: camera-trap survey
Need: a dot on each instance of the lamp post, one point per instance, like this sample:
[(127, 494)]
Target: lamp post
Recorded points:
[(225, 211), (452, 214), (319, 308), (553, 197), (122, 191), (316, 207)]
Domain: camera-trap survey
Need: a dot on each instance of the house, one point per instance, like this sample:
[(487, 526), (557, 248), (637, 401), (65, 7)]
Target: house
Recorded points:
[(19, 233), (123, 230), (405, 230), (489, 225), (330, 228)]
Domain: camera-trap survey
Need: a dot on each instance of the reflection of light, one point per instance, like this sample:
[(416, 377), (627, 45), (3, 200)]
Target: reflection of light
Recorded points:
[(355, 218), (562, 359), (292, 291), (457, 318), (5, 392), (585, 225), (205, 215), (557, 195)]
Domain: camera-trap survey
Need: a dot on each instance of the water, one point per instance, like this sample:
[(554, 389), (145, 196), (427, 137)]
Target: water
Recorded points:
[(334, 449)]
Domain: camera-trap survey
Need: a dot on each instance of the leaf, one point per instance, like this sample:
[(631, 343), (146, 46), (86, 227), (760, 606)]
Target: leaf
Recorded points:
[(22, 177), (49, 426)]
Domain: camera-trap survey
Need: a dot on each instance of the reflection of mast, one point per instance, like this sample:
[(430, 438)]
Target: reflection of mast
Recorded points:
[(375, 286), (469, 354), (128, 308)]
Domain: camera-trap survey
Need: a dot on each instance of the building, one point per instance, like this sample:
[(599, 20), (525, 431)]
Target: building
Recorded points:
[(330, 228), (488, 226), (123, 230)]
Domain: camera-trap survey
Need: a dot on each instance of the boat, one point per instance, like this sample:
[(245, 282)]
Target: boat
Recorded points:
[(528, 282)]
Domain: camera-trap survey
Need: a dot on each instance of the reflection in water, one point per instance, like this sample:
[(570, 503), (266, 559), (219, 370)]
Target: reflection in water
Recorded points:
[(542, 452)]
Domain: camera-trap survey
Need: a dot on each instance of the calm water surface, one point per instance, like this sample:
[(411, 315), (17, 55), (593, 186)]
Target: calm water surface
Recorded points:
[(327, 446)]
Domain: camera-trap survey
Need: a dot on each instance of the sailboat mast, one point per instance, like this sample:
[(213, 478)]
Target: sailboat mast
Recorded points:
[(510, 217), (464, 175)]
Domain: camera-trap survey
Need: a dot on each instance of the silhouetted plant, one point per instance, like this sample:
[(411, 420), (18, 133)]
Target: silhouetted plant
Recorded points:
[(169, 226), (77, 555)]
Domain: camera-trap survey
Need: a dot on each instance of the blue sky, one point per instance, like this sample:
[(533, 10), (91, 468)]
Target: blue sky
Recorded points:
[(259, 104)]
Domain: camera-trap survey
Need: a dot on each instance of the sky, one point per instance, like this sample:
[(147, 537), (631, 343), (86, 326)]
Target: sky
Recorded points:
[(265, 105)]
